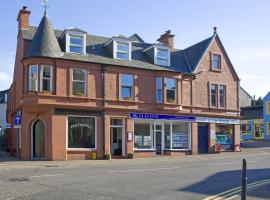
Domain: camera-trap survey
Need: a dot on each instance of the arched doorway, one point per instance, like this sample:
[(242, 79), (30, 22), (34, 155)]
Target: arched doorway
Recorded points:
[(38, 139)]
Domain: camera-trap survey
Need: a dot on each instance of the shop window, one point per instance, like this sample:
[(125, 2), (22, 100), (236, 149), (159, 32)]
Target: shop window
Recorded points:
[(46, 78), (268, 107), (81, 132), (170, 84), (79, 82), (143, 137), (180, 138), (258, 130), (167, 136), (127, 86), (216, 62), (33, 78), (245, 128), (222, 96), (268, 128), (213, 89), (159, 89), (224, 134)]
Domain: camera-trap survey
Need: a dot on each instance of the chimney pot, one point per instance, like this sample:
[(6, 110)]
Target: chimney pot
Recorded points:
[(167, 38), (23, 18)]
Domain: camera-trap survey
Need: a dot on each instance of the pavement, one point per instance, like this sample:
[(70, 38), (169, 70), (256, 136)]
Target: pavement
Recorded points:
[(206, 177)]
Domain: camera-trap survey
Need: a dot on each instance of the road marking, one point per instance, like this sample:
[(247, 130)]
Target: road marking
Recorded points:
[(232, 163), (47, 175), (143, 170), (234, 191)]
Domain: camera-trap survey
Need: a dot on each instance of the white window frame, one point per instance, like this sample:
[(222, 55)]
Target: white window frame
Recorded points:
[(115, 50), (45, 78), (30, 78), (81, 149), (121, 51), (123, 133), (157, 89), (156, 57), (217, 91), (79, 81), (224, 86), (70, 34)]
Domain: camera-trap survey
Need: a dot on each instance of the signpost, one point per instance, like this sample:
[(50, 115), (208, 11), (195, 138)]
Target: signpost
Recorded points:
[(17, 121)]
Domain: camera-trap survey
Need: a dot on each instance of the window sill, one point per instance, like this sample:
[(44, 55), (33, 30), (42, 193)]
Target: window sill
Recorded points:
[(81, 149), (142, 150), (175, 150), (216, 70)]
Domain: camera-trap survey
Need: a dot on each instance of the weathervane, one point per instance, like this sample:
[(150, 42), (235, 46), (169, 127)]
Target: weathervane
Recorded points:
[(45, 5)]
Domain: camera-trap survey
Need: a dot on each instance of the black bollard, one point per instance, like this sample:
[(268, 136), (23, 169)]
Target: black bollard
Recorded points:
[(244, 181)]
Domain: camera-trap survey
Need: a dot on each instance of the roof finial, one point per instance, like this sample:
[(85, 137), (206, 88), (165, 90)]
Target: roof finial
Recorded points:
[(45, 5), (215, 29)]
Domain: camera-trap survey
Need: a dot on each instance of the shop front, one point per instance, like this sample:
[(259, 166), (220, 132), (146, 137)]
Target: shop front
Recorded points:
[(161, 134)]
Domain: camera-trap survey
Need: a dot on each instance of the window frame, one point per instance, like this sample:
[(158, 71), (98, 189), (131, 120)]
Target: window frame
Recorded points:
[(121, 85), (150, 123), (157, 89), (213, 61), (268, 107), (81, 149), (175, 90), (216, 86), (121, 51), (45, 78), (85, 82), (268, 128), (156, 49), (30, 78), (224, 96), (246, 132)]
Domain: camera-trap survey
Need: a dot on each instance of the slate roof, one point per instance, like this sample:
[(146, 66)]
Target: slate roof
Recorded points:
[(184, 61), (252, 112), (44, 42)]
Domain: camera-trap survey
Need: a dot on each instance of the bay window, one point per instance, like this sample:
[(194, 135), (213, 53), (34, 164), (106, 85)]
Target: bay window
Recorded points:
[(159, 89), (33, 78), (127, 86), (79, 82), (81, 132), (170, 85), (46, 78)]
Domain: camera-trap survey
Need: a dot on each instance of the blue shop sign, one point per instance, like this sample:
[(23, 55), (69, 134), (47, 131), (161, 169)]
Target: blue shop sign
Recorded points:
[(134, 115)]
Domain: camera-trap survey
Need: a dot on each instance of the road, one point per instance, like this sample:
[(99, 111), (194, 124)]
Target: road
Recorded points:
[(210, 176)]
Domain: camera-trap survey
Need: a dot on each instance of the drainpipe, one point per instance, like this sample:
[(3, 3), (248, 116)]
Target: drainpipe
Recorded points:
[(103, 69)]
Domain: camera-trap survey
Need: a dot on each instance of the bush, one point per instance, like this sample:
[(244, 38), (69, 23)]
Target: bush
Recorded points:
[(130, 156)]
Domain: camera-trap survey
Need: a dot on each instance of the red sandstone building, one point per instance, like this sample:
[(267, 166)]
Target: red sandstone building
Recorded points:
[(78, 93)]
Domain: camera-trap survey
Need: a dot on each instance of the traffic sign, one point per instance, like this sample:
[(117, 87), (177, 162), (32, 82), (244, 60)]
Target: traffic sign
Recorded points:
[(17, 121)]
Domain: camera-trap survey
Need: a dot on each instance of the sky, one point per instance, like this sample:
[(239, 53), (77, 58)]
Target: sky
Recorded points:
[(243, 26)]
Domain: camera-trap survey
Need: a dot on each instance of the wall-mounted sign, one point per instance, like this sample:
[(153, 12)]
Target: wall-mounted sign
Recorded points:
[(8, 126), (213, 134), (80, 125), (134, 115), (17, 121), (217, 120), (130, 136)]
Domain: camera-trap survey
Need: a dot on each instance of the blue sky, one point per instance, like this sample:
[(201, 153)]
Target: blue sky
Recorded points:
[(243, 26)]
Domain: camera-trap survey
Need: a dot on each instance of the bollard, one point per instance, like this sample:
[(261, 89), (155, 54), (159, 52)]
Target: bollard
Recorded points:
[(244, 181)]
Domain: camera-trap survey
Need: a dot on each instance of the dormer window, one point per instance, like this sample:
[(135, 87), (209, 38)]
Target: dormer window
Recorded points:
[(76, 44), (122, 50), (162, 57), (75, 40), (119, 47)]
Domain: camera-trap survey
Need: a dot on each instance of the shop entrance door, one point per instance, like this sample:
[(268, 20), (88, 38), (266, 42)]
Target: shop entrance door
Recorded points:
[(117, 138), (158, 130), (202, 138)]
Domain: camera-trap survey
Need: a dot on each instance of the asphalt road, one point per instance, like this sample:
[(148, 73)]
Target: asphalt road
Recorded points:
[(211, 176)]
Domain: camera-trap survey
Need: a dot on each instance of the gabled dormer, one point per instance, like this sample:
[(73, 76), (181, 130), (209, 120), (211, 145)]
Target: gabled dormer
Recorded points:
[(159, 54), (119, 47), (74, 40)]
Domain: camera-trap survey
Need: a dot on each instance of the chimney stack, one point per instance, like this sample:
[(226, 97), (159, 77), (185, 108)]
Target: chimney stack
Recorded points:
[(167, 38), (23, 18)]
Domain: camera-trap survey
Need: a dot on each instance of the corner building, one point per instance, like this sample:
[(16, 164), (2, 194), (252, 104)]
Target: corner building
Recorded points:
[(79, 93)]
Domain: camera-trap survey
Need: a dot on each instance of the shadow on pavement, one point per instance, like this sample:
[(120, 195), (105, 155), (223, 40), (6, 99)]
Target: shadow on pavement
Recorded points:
[(227, 180)]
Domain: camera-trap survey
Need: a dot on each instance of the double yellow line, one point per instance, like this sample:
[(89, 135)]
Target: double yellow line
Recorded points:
[(237, 190)]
